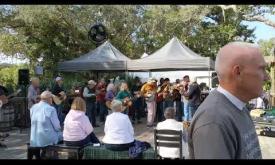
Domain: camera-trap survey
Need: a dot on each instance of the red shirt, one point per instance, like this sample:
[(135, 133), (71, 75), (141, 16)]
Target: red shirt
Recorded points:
[(101, 88)]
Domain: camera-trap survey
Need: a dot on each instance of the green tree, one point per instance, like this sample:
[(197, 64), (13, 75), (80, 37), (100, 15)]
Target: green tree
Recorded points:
[(216, 30)]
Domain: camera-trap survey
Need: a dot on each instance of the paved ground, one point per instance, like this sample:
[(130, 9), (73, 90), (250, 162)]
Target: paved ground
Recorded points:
[(16, 142)]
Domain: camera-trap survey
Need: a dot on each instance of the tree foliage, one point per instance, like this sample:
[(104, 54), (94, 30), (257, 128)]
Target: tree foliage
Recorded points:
[(55, 33)]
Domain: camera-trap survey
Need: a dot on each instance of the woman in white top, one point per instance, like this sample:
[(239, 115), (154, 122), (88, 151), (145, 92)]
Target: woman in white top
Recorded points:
[(119, 132)]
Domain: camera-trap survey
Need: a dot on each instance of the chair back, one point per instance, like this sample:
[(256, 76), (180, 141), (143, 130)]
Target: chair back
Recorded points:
[(168, 138)]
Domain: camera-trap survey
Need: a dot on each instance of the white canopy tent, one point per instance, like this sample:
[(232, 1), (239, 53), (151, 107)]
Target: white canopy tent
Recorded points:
[(172, 56)]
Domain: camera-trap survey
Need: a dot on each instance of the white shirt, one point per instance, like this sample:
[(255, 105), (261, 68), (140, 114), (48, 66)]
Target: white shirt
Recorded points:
[(165, 152), (118, 129), (260, 103), (237, 102)]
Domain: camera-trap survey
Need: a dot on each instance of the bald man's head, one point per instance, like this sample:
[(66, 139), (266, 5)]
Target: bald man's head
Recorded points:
[(232, 54), (237, 63)]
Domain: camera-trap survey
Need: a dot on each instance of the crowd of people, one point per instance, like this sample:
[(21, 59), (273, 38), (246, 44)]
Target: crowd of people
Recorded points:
[(118, 107), (221, 126)]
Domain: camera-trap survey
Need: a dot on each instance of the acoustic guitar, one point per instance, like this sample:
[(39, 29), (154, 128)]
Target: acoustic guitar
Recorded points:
[(5, 99), (59, 99), (126, 103)]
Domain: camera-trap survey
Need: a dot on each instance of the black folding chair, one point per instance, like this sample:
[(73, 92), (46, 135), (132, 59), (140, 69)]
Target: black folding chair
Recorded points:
[(168, 138)]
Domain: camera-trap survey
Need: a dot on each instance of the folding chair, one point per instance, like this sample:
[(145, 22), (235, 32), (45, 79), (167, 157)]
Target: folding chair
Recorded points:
[(173, 140)]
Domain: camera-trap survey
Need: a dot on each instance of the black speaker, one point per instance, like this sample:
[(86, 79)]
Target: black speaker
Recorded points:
[(23, 77), (214, 80)]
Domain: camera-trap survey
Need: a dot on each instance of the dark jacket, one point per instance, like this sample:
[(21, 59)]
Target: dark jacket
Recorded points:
[(194, 94), (135, 152), (57, 89)]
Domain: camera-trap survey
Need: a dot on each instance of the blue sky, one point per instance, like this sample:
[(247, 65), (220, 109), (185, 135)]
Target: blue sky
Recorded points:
[(262, 31)]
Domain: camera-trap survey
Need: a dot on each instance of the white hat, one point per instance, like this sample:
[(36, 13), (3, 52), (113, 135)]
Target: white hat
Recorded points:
[(150, 80), (58, 78), (92, 82)]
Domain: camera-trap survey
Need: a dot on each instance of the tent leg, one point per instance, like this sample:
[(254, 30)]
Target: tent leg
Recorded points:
[(209, 78)]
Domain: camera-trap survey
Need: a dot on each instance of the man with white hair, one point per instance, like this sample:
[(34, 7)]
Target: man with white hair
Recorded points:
[(58, 91), (222, 127), (45, 126), (90, 97)]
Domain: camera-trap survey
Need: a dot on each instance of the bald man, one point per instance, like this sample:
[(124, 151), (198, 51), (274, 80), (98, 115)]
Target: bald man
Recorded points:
[(222, 127)]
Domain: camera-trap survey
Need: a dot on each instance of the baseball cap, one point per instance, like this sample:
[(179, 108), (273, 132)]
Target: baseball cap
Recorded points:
[(92, 82), (58, 78)]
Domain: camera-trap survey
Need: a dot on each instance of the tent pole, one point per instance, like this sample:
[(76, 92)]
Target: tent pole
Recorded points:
[(126, 72), (209, 75)]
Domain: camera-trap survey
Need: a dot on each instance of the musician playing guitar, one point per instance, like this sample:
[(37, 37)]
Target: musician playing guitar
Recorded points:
[(149, 90), (125, 96), (59, 92), (167, 94), (137, 102), (89, 94), (33, 92)]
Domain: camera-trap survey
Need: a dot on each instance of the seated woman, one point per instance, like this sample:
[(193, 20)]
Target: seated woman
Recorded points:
[(119, 132), (78, 130)]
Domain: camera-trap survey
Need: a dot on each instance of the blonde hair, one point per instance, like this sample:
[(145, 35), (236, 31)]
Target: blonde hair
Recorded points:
[(79, 104)]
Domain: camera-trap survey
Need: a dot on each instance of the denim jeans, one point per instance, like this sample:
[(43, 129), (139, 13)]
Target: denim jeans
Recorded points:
[(103, 111), (89, 139), (182, 109), (193, 109), (178, 111), (91, 112), (167, 103), (160, 116), (97, 109), (137, 106), (187, 112)]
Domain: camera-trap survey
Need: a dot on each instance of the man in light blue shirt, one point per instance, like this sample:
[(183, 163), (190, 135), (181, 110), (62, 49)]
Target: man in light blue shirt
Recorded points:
[(45, 126)]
